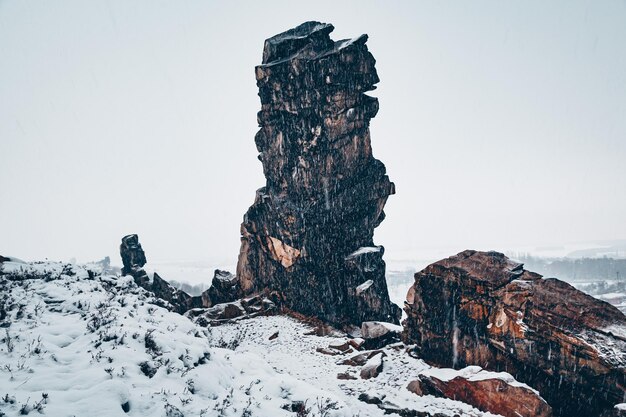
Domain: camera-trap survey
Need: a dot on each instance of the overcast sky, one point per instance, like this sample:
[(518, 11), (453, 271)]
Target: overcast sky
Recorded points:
[(503, 124)]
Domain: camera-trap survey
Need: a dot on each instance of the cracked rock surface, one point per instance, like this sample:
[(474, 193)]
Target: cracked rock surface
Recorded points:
[(308, 238)]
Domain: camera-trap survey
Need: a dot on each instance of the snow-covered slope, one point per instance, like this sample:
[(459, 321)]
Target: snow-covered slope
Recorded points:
[(76, 343)]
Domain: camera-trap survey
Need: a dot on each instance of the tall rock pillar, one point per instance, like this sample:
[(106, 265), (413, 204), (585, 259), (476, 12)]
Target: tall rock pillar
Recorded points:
[(308, 237)]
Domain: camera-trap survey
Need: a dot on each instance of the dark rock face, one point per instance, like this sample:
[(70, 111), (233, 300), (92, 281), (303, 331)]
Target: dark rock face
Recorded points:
[(224, 289), (480, 308), (308, 237), (180, 300), (133, 256)]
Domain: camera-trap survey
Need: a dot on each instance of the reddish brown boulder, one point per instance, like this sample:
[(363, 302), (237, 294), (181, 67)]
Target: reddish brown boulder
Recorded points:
[(480, 308), (497, 393)]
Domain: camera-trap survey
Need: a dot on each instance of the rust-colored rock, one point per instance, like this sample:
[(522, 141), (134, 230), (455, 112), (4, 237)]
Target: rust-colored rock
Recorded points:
[(308, 237), (497, 395), (480, 308)]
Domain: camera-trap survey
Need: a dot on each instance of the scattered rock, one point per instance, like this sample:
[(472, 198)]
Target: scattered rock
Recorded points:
[(371, 399), (321, 330), (327, 351), (378, 334), (273, 336), (373, 366), (342, 347), (361, 358), (480, 308), (229, 312), (357, 343), (309, 234), (497, 393), (390, 408), (345, 376), (377, 329)]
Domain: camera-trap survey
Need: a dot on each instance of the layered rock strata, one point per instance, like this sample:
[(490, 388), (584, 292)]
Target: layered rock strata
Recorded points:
[(308, 238), (480, 308)]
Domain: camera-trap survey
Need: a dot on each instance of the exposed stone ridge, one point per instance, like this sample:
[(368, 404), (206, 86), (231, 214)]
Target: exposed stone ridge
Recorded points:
[(324, 192), (480, 308)]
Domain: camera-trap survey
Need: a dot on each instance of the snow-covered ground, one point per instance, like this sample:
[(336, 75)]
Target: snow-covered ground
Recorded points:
[(294, 353), (75, 343)]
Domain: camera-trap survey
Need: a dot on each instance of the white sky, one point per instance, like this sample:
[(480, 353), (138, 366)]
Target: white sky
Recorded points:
[(503, 124)]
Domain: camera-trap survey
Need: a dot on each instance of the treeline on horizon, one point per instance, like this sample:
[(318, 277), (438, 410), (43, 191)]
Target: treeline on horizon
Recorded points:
[(576, 269)]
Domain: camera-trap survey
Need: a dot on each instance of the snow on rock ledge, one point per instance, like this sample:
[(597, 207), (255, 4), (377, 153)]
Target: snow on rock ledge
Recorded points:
[(495, 392)]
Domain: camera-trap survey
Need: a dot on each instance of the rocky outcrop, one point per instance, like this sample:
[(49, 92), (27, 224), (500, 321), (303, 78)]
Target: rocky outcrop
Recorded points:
[(224, 288), (133, 256), (480, 308), (180, 300), (308, 237), (497, 393), (244, 308)]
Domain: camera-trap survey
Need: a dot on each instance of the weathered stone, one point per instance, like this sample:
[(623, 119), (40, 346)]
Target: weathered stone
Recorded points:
[(342, 347), (376, 329), (180, 300), (308, 237), (133, 256), (224, 289), (345, 376), (378, 334), (391, 408), (356, 343), (497, 393), (327, 351), (361, 358), (233, 311), (480, 308), (373, 367)]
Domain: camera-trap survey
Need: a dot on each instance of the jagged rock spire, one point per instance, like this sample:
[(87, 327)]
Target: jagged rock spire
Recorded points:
[(308, 237)]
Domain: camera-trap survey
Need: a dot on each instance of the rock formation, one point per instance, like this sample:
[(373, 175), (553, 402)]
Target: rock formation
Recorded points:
[(308, 237), (497, 393), (133, 256), (480, 308), (229, 312), (224, 288)]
